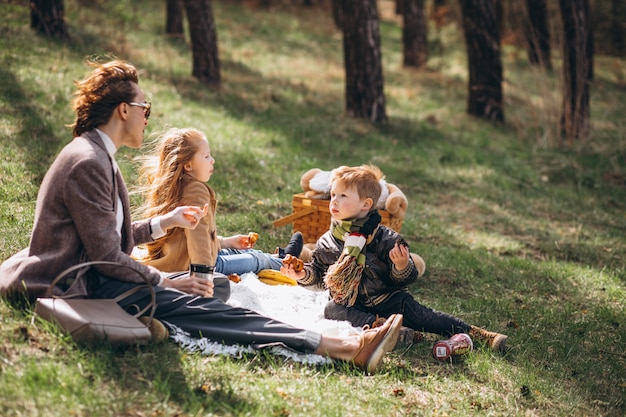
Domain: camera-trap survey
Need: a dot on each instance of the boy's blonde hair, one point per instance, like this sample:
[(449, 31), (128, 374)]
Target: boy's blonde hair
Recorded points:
[(163, 174), (365, 179)]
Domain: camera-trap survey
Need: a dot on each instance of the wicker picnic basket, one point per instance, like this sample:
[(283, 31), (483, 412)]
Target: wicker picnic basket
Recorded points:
[(311, 217)]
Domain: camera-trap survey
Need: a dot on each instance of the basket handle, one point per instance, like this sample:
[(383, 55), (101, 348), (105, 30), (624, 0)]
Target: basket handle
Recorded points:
[(293, 216)]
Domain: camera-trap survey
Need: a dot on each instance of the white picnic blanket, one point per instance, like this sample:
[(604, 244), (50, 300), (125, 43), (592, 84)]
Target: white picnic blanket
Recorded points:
[(295, 305)]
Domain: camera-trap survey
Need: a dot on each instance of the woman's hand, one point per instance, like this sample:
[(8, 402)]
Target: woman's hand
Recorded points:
[(399, 255), (190, 285), (184, 216)]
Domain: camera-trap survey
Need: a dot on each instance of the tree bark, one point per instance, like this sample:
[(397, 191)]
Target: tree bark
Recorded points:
[(414, 34), (337, 11), (364, 72), (48, 18), (499, 7), (206, 64), (577, 68), (617, 27), (174, 18), (400, 4), (537, 34), (484, 59)]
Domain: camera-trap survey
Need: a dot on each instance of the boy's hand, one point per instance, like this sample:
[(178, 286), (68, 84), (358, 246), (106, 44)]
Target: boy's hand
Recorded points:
[(399, 255), (290, 272), (294, 262)]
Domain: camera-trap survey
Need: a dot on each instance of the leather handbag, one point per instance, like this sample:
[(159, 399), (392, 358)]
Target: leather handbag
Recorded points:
[(92, 321)]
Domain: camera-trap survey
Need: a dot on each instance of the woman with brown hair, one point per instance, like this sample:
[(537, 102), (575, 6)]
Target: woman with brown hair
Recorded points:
[(83, 214)]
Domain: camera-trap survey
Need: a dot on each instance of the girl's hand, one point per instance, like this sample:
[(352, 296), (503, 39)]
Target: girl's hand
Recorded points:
[(184, 216), (190, 285), (237, 242), (399, 255)]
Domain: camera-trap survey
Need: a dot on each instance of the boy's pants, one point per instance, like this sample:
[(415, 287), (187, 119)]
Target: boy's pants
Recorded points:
[(416, 316)]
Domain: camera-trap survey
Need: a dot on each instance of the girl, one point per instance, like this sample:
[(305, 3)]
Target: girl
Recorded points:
[(176, 176), (83, 202)]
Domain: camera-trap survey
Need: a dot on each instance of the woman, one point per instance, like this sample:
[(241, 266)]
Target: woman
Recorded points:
[(83, 214)]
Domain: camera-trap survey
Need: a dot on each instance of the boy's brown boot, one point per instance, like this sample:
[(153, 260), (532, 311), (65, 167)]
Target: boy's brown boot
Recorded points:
[(376, 342), (495, 341)]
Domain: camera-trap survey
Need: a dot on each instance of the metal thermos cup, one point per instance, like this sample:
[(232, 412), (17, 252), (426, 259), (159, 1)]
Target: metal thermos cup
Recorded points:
[(201, 271)]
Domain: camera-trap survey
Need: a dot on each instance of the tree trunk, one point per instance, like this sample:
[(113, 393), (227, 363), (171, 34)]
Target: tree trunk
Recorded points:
[(537, 34), (400, 4), (414, 34), (499, 7), (174, 18), (337, 10), (48, 18), (485, 62), (577, 68), (364, 72), (618, 27), (206, 64)]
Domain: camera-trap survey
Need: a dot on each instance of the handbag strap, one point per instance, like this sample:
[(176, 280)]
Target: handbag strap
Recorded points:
[(151, 306)]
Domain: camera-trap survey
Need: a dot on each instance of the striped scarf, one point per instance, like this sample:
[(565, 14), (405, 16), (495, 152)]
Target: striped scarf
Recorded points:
[(344, 276)]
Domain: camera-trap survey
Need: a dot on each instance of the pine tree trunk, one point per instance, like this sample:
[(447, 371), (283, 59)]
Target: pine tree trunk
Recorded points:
[(577, 68), (414, 34), (618, 28), (485, 62), (400, 4), (337, 12), (48, 18), (362, 58), (206, 65), (537, 34), (174, 18)]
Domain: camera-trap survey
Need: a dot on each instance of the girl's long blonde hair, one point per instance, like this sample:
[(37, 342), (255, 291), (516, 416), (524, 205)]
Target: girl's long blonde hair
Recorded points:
[(163, 173)]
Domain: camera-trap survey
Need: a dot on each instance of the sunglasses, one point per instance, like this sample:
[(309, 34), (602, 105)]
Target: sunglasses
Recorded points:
[(146, 108)]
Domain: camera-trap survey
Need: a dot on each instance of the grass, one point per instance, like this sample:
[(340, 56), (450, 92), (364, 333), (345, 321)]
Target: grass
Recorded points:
[(521, 234)]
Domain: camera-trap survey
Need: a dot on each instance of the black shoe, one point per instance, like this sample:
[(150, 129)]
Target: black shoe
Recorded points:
[(294, 247)]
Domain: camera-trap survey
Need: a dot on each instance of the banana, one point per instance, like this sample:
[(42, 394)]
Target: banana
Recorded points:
[(272, 277)]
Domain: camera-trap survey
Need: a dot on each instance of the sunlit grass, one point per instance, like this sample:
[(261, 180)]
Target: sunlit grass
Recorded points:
[(518, 236)]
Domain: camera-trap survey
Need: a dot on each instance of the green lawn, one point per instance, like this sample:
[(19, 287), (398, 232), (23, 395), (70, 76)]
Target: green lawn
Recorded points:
[(520, 234)]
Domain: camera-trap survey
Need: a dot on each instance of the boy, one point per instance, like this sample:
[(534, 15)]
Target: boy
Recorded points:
[(83, 202), (367, 267)]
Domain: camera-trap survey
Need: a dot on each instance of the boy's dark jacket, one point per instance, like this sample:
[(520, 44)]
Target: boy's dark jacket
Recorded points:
[(379, 279)]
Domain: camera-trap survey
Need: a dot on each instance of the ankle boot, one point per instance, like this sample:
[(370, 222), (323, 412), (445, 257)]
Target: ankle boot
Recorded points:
[(293, 248), (406, 337), (495, 341), (158, 331), (375, 343)]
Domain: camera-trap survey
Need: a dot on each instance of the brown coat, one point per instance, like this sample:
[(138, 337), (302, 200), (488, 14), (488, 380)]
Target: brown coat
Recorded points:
[(75, 222), (185, 246)]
